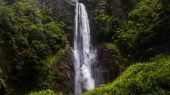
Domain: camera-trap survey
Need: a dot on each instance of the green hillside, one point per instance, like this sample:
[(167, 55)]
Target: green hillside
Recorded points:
[(147, 78)]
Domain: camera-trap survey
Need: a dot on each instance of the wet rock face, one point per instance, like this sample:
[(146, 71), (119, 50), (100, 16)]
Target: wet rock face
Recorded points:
[(110, 69)]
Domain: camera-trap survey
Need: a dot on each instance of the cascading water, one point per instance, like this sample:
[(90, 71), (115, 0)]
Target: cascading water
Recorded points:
[(84, 54)]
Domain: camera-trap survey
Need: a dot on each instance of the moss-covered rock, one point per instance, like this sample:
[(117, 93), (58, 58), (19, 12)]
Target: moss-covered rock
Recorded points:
[(62, 71)]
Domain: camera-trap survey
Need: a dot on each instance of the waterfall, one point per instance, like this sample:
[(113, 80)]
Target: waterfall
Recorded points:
[(84, 54)]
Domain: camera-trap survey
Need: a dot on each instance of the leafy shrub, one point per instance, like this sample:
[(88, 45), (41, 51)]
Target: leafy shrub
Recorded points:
[(27, 39), (45, 92), (149, 78), (144, 35)]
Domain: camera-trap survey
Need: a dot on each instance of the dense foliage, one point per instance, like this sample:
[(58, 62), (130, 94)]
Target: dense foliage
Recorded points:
[(45, 92), (149, 78), (106, 27), (146, 32), (140, 37), (33, 41), (28, 38)]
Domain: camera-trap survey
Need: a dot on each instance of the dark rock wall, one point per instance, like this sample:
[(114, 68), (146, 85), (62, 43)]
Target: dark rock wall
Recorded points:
[(110, 69)]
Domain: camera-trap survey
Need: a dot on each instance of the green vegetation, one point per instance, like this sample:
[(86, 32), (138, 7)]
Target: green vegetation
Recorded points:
[(148, 78), (28, 39), (143, 35), (140, 38), (3, 88), (130, 33), (106, 27), (45, 92), (133, 42)]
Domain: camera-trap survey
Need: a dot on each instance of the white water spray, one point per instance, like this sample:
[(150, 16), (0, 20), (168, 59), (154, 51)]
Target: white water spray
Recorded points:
[(84, 54)]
